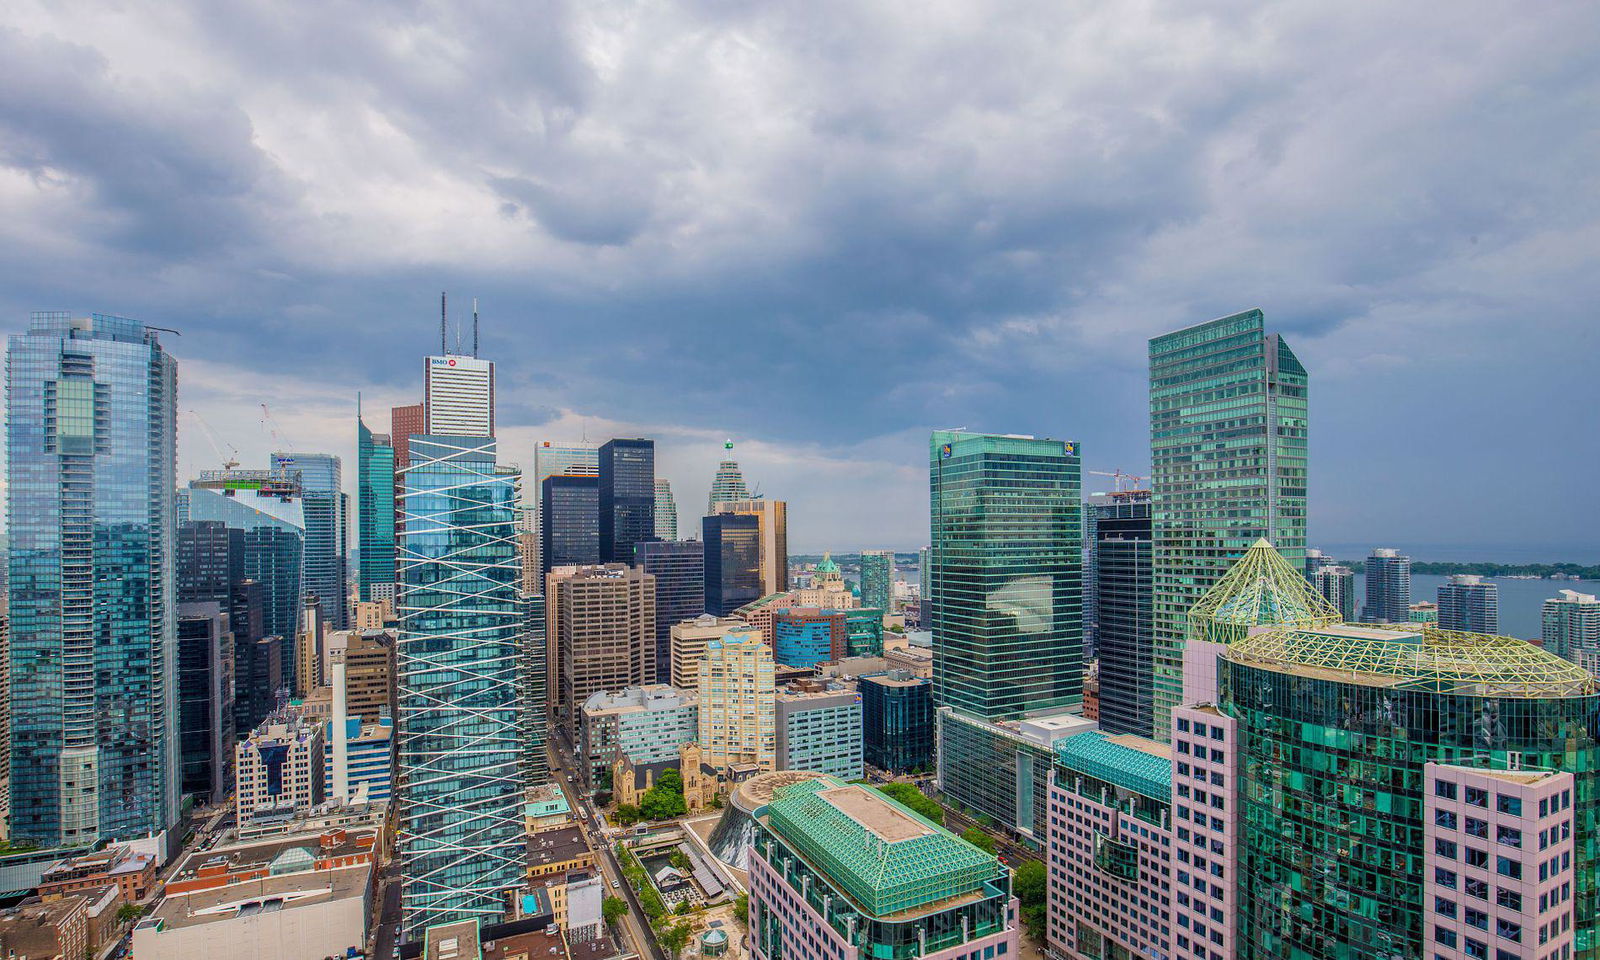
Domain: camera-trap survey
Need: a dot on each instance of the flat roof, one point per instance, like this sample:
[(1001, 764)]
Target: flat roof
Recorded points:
[(285, 892), (871, 810)]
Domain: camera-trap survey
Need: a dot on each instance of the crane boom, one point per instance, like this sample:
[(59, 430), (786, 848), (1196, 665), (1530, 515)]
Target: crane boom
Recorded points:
[(229, 459)]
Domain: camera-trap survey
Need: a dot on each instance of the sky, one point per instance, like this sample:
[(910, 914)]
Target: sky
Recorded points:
[(825, 228)]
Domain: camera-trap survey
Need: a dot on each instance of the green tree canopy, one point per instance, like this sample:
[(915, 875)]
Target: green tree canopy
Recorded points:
[(913, 798), (979, 839), (613, 908)]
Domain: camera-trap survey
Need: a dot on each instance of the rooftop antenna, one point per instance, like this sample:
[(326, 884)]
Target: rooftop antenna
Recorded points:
[(443, 347), (474, 326)]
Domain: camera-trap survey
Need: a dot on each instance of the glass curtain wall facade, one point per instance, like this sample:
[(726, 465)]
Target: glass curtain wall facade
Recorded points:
[(877, 578), (327, 549), (375, 510), (92, 466), (1388, 598), (459, 657), (1228, 461), (679, 567), (1006, 566), (627, 497), (897, 722), (1468, 602), (569, 524), (1125, 635), (733, 561), (1338, 586)]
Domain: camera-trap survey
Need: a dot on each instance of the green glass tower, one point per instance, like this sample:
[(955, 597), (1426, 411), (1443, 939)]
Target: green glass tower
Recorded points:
[(1228, 462), (1006, 574), (375, 501)]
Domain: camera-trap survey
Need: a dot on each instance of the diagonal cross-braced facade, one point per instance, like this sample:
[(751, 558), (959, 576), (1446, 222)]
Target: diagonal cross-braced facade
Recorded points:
[(458, 656)]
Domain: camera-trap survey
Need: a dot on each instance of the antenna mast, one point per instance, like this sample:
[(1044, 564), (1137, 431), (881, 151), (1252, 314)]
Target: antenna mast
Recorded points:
[(474, 326), (443, 347)]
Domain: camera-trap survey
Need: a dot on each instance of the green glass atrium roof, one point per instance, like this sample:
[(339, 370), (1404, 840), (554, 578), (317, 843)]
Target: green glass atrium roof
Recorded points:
[(1261, 588), (1116, 761), (1416, 656), (876, 851)]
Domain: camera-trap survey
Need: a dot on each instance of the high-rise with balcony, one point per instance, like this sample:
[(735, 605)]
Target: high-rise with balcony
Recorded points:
[(737, 698), (627, 497), (1228, 460), (1119, 529), (1570, 627), (459, 659), (1338, 586), (91, 470), (1469, 603), (375, 512), (877, 579), (1388, 587)]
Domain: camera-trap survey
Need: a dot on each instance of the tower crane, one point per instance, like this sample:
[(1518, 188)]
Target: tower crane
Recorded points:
[(229, 459), (1135, 482), (271, 427)]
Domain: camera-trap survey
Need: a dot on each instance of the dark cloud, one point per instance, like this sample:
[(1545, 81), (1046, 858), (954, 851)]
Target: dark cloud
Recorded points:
[(834, 225)]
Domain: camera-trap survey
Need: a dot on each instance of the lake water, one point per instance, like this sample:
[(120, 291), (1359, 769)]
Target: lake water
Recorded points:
[(1520, 600)]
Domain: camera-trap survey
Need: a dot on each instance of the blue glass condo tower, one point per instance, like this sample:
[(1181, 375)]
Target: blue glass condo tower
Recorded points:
[(459, 657), (91, 479)]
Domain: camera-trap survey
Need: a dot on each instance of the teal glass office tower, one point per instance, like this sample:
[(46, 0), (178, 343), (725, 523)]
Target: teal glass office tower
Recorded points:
[(459, 659), (1228, 465), (375, 510), (877, 579), (1006, 566), (91, 474)]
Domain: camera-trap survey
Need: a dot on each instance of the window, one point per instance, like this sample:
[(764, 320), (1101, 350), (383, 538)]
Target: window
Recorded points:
[(1476, 918), (1183, 726), (1477, 858), (1509, 899), (1477, 828), (1508, 867), (1507, 930), (1510, 836), (1508, 804), (1444, 788), (1445, 848), (1476, 950), (1445, 936), (1478, 889), (1444, 878), (1477, 796), (1444, 818), (1444, 907)]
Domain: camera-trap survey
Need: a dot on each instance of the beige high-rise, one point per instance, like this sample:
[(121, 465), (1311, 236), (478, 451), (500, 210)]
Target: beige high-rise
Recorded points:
[(689, 640), (772, 517), (601, 627), (737, 697)]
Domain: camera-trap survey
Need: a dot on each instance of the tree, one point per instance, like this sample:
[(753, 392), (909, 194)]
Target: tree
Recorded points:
[(1028, 883), (979, 839), (664, 800), (613, 909), (741, 908), (682, 909), (129, 912), (913, 798), (627, 814), (680, 861), (673, 937)]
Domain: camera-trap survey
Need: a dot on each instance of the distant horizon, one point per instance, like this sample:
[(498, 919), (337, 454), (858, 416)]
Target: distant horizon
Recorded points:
[(1419, 552)]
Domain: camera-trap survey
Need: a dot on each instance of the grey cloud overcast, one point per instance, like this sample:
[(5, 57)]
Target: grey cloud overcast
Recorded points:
[(825, 228)]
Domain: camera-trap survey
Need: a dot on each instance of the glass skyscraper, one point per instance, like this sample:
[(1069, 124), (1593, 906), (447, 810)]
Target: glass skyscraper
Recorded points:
[(460, 652), (627, 497), (1006, 570), (1228, 462), (93, 655), (375, 510), (679, 567), (1388, 587), (733, 561), (1468, 602), (1120, 584), (327, 532), (569, 522), (877, 579), (666, 511)]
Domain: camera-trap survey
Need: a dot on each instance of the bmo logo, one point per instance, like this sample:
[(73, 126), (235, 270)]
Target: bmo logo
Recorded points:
[(442, 361)]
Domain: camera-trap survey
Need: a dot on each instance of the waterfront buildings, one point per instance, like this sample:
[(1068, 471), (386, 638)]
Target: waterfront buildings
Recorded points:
[(1388, 587), (689, 639), (1469, 603), (897, 721), (679, 567), (627, 500), (459, 654), (1228, 467), (1338, 586), (877, 578), (1423, 611), (728, 484), (205, 685), (736, 698), (772, 527), (90, 470), (818, 728), (645, 724), (840, 870), (1570, 625), (1120, 586), (666, 511), (733, 561), (1316, 560), (602, 628), (569, 521), (375, 466)]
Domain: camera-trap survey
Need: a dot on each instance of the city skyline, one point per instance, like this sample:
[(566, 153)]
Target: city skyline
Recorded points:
[(996, 252)]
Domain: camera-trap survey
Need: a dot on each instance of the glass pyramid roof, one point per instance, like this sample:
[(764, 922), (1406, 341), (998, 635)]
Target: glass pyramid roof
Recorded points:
[(1261, 589)]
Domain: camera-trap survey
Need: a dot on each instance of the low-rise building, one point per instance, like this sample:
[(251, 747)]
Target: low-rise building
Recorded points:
[(55, 929), (559, 851), (133, 873), (647, 724), (807, 636), (243, 863)]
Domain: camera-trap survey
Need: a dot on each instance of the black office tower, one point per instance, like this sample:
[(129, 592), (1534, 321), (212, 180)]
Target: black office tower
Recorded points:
[(733, 561), (627, 497), (679, 567), (1119, 528), (569, 531)]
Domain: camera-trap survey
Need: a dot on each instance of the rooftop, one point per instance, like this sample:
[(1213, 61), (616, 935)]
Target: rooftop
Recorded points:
[(1260, 588), (1416, 656), (260, 896), (32, 929), (877, 852), (1132, 763), (556, 846)]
